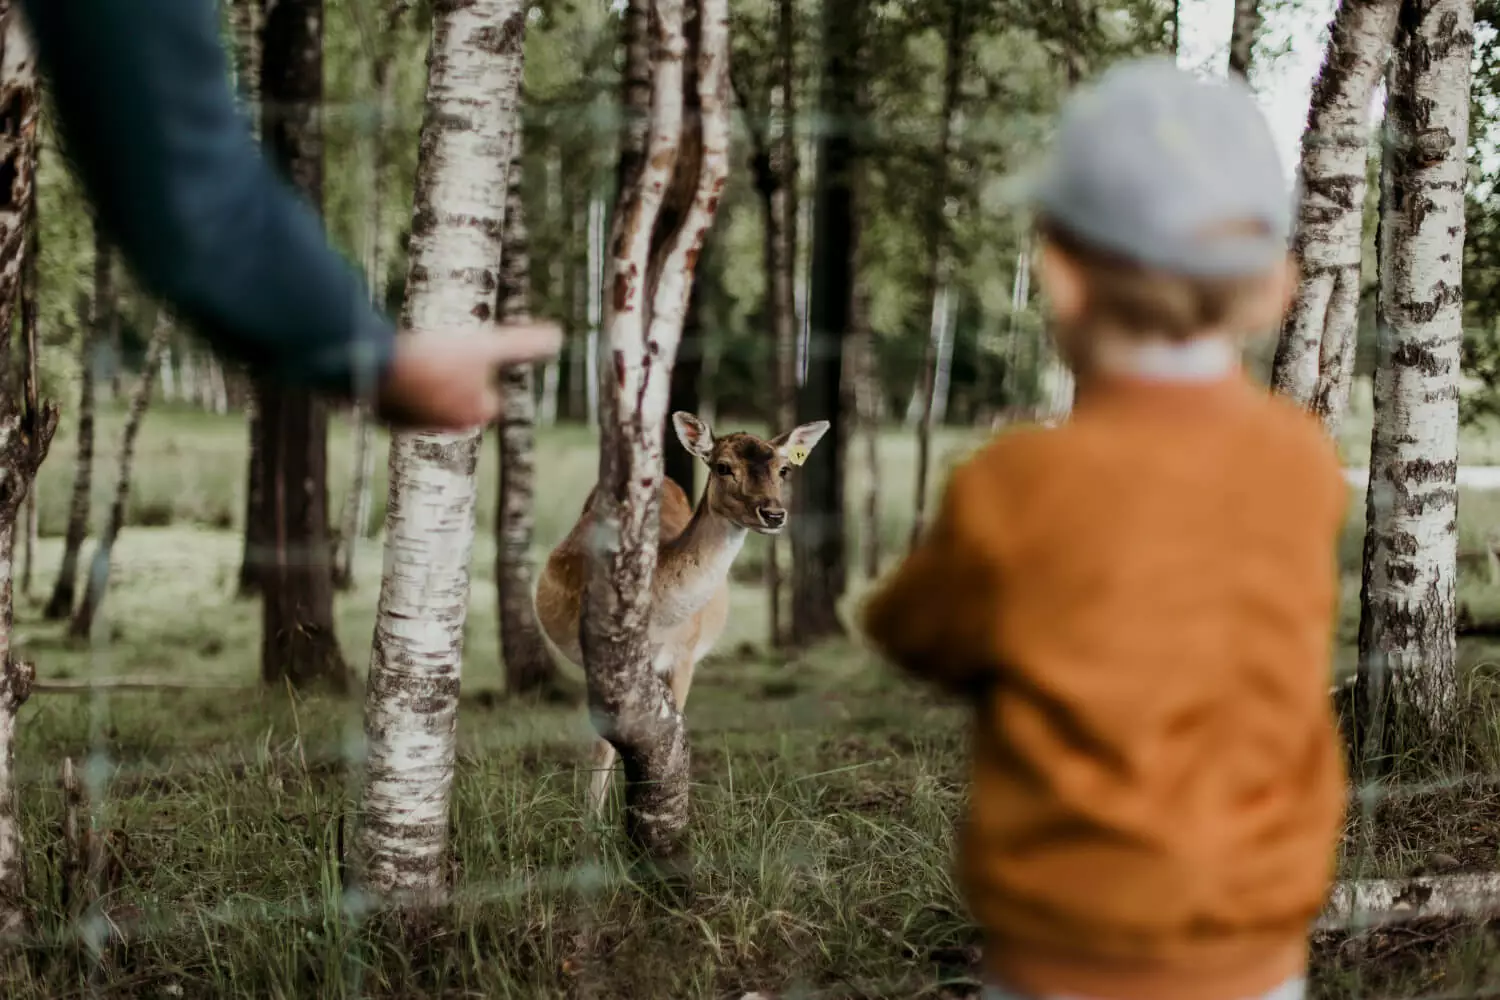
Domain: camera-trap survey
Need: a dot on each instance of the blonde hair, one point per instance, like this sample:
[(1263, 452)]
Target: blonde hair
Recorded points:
[(1137, 300)]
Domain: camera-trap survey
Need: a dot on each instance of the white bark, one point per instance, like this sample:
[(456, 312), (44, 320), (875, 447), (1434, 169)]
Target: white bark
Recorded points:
[(473, 82), (633, 708), (595, 304), (1315, 356), (168, 377), (1359, 903), (16, 677), (218, 389), (546, 413), (1407, 622), (190, 378), (25, 436)]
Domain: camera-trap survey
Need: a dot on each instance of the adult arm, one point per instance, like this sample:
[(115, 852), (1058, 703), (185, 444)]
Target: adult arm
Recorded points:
[(150, 124)]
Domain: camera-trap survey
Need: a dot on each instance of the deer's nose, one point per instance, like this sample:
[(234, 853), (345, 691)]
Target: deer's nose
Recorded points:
[(772, 517)]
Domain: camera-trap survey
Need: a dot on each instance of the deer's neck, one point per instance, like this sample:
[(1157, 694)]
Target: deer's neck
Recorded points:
[(691, 567)]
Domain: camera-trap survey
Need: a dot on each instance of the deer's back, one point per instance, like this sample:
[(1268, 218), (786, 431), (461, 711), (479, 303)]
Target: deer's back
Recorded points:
[(559, 592)]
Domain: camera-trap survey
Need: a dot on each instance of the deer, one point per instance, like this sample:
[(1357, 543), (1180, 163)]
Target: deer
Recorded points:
[(696, 546)]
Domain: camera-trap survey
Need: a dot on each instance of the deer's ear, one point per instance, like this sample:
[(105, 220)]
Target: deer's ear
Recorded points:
[(796, 443), (694, 434)]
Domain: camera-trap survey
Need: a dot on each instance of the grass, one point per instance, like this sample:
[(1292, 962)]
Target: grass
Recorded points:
[(826, 792)]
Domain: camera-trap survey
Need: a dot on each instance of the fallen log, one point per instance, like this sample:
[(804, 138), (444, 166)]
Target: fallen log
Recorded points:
[(1358, 903)]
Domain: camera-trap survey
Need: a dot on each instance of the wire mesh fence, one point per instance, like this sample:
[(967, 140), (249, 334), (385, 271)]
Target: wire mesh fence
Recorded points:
[(203, 834)]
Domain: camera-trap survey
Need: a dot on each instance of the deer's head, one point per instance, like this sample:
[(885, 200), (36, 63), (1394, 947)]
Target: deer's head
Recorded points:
[(745, 473)]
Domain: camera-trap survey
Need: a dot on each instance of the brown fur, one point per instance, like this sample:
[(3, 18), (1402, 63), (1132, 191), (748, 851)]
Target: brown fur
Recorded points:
[(695, 550)]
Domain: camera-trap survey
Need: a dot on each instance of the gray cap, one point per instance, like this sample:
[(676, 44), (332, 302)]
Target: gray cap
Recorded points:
[(1149, 160)]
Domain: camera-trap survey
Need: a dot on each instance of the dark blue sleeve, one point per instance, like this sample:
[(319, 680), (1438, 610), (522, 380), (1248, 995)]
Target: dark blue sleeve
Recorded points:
[(150, 125)]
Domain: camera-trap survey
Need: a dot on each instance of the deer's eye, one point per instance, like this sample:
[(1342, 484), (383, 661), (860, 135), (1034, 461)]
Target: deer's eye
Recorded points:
[(723, 469), (786, 470)]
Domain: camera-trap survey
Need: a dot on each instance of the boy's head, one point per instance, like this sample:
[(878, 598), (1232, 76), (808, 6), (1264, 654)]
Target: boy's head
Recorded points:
[(1163, 211)]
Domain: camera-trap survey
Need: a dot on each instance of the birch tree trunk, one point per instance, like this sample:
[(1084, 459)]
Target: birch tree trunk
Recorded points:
[(529, 669), (1314, 361), (939, 264), (168, 377), (411, 703), (1243, 35), (595, 306), (632, 706), (25, 431), (1407, 675), (98, 578), (93, 334), (868, 406), (298, 643), (30, 314)]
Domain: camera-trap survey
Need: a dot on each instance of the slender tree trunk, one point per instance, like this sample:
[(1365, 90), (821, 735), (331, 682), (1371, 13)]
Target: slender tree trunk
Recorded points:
[(939, 264), (98, 579), (411, 705), (529, 669), (595, 307), (1407, 673), (357, 502), (246, 18), (30, 314), (819, 562), (245, 23), (92, 335), (685, 158), (254, 555), (25, 431), (1243, 35), (581, 284), (298, 644), (168, 376), (780, 201), (867, 403), (546, 411), (1314, 362)]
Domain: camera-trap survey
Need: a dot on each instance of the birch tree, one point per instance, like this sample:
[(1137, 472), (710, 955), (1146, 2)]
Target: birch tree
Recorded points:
[(93, 333), (940, 262), (411, 702), (97, 584), (1314, 362), (673, 157), (25, 431), (30, 313), (529, 668), (1406, 640)]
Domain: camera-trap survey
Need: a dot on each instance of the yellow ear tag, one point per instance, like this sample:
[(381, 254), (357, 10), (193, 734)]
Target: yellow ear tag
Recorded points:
[(797, 453)]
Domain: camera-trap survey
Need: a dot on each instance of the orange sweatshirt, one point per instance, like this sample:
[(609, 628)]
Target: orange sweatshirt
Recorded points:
[(1141, 604)]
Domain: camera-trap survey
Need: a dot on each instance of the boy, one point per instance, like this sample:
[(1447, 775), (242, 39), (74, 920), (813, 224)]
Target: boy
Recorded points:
[(1140, 602)]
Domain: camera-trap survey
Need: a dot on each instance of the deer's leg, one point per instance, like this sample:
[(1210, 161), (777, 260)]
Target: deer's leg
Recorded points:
[(602, 767), (681, 680)]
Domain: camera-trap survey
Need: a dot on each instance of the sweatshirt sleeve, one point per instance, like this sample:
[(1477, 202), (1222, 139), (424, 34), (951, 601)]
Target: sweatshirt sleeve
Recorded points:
[(180, 187), (934, 617)]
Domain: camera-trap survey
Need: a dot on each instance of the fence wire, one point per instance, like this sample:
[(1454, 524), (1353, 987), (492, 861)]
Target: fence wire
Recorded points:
[(571, 908)]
